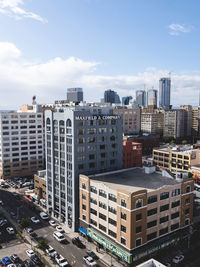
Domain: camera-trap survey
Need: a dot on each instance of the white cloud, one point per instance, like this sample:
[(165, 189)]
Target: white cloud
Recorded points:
[(12, 8), (177, 29), (21, 79)]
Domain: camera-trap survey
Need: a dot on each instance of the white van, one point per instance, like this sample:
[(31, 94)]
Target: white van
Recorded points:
[(58, 236), (44, 216)]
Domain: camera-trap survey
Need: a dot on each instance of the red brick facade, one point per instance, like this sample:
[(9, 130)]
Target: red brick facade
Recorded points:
[(132, 154)]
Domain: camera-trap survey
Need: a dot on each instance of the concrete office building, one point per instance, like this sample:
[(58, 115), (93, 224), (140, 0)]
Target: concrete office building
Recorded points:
[(152, 123), (141, 98), (196, 122), (112, 97), (126, 100), (74, 94), (79, 139), (164, 93), (21, 143), (175, 123), (135, 211), (188, 119), (131, 119), (152, 98)]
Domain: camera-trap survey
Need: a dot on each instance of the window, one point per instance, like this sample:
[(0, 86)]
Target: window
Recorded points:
[(151, 236), (84, 207), (152, 199), (91, 156), (123, 216), (187, 221), (123, 203), (138, 216), (94, 201), (123, 228), (151, 224), (175, 203), (163, 231), (187, 211), (83, 217), (112, 210), (187, 201), (93, 222), (138, 229), (80, 166), (123, 241), (83, 185), (138, 242), (175, 215), (93, 189), (164, 219), (138, 203), (164, 195), (112, 197), (151, 212), (188, 189), (84, 196), (174, 226), (111, 221), (164, 207), (101, 227), (102, 193), (92, 165), (176, 192), (102, 205), (102, 216), (111, 233), (94, 212)]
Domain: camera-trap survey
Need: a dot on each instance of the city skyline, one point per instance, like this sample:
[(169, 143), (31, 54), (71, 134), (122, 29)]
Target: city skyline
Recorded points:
[(44, 51)]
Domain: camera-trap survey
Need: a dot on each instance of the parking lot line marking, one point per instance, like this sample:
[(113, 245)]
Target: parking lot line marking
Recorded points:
[(73, 256)]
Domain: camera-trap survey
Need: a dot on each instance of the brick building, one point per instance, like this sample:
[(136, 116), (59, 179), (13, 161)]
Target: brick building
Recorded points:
[(132, 154)]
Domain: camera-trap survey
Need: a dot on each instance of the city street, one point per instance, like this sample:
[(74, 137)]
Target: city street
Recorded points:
[(21, 209)]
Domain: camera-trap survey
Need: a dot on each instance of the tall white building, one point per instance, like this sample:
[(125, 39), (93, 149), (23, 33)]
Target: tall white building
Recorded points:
[(21, 143)]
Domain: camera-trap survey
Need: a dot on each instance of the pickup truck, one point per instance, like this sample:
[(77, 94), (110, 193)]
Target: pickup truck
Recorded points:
[(89, 261)]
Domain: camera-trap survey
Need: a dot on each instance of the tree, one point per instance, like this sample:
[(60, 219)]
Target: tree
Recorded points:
[(43, 244), (168, 139), (24, 223), (190, 175), (184, 142)]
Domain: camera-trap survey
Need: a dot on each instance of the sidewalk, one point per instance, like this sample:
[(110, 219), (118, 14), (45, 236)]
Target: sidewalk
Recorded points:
[(104, 257)]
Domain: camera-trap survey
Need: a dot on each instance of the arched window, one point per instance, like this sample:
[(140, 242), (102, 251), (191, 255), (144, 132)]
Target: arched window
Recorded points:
[(69, 123), (55, 123), (48, 121), (62, 123)]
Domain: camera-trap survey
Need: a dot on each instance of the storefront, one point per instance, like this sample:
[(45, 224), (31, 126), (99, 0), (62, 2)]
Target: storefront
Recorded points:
[(110, 246)]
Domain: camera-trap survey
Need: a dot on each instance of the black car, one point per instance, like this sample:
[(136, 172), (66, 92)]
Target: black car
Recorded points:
[(76, 241), (36, 260), (92, 254), (15, 258), (31, 232), (28, 263)]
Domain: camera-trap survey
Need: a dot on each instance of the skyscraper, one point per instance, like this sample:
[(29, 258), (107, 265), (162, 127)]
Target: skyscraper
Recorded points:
[(75, 94), (126, 100), (141, 98), (152, 98), (111, 96), (79, 140), (164, 93)]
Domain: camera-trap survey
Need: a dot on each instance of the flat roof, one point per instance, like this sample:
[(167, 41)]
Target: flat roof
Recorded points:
[(133, 179), (181, 149)]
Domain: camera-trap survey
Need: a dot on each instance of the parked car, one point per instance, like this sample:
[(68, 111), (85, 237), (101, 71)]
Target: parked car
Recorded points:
[(31, 232), (52, 223), (1, 202), (10, 230), (61, 261), (35, 220), (44, 216), (92, 254), (3, 222), (89, 261), (30, 252), (76, 241), (6, 260), (59, 229), (178, 259), (51, 251), (11, 265), (36, 260), (59, 237), (15, 258), (28, 263)]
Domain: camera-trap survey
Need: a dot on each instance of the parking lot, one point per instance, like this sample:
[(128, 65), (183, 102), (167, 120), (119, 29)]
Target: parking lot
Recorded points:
[(18, 249)]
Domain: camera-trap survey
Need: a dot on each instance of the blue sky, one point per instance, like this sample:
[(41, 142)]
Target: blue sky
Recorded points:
[(49, 45)]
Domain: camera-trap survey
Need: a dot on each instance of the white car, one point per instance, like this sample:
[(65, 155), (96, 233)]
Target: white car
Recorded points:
[(10, 230), (35, 220), (52, 223), (178, 259), (89, 261), (30, 253), (61, 261), (44, 216), (51, 251), (59, 229), (58, 236), (11, 265)]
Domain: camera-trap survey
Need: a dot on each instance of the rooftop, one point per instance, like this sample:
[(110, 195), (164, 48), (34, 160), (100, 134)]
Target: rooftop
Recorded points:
[(178, 148), (133, 179)]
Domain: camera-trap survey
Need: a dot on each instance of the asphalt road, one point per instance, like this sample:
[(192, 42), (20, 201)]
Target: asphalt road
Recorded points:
[(21, 208)]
